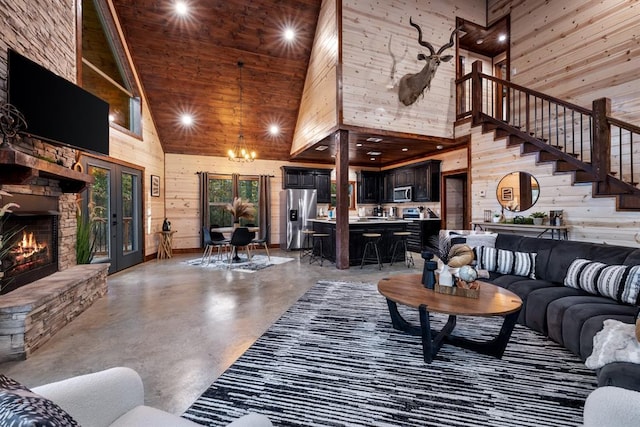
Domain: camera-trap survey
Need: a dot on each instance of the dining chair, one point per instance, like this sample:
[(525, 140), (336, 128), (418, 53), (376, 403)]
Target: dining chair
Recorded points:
[(241, 237), (263, 241), (211, 242)]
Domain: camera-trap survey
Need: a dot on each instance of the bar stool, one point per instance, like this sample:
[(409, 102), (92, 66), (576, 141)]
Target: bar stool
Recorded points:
[(318, 243), (371, 246), (307, 244), (401, 242)]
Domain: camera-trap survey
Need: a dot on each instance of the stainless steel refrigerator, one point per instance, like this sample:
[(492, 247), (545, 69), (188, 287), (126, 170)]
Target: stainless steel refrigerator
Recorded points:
[(296, 207)]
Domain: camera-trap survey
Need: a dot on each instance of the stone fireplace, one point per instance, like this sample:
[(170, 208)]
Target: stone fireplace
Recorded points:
[(46, 289)]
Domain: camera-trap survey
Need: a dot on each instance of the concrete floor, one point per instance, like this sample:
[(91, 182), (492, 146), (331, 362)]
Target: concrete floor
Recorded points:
[(180, 326)]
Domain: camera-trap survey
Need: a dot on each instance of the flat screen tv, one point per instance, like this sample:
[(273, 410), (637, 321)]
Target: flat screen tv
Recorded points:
[(55, 109)]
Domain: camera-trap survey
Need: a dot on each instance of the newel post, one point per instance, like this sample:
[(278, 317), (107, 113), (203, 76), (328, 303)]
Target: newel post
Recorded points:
[(601, 156), (476, 91)]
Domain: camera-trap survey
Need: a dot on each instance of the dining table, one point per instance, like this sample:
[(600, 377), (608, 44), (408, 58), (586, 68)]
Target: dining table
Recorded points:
[(228, 232)]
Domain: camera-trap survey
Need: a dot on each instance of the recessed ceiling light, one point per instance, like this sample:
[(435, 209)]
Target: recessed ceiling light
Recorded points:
[(181, 8), (502, 37), (405, 149), (274, 130), (372, 139), (321, 147), (112, 118), (374, 153), (289, 34), (359, 144), (186, 119), (479, 41), (439, 147), (373, 159)]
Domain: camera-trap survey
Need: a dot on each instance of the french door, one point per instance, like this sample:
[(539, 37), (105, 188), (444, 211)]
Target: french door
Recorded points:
[(114, 205)]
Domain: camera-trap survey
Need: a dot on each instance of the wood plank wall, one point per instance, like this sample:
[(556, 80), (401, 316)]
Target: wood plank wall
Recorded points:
[(370, 94), (318, 113), (578, 51)]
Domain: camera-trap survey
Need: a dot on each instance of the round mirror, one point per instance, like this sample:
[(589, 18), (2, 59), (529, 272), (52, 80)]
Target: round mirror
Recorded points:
[(518, 191)]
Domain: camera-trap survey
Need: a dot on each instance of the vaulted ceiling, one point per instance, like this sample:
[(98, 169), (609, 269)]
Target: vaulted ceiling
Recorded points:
[(189, 64)]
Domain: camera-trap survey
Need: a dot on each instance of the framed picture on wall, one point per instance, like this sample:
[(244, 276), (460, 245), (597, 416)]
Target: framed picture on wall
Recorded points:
[(507, 193), (155, 186)]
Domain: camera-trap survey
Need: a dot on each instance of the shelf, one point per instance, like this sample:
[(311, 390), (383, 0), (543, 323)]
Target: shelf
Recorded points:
[(18, 167), (562, 230)]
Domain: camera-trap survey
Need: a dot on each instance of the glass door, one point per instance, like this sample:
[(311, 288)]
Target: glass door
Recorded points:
[(114, 204)]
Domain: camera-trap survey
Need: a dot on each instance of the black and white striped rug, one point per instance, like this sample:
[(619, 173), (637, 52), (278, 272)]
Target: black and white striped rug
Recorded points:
[(333, 359)]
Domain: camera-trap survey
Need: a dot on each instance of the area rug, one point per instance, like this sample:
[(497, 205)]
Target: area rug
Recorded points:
[(257, 262), (333, 359)]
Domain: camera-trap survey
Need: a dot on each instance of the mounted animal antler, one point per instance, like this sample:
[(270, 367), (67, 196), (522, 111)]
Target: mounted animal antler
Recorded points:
[(413, 85)]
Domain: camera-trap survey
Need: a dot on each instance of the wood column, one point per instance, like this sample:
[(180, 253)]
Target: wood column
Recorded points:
[(601, 157), (476, 92), (341, 139)]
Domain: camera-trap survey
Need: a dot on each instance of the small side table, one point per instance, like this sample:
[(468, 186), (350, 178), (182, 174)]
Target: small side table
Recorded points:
[(164, 244)]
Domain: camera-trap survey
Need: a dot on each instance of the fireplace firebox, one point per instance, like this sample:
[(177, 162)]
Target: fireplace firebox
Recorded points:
[(34, 248)]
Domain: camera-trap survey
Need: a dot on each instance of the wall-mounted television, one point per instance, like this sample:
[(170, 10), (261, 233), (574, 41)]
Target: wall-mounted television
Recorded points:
[(55, 109)]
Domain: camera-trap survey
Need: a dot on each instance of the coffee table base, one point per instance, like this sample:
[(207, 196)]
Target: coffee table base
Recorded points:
[(432, 340)]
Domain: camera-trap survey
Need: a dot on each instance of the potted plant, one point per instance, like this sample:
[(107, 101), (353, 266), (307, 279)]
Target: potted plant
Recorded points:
[(538, 217), (240, 209)]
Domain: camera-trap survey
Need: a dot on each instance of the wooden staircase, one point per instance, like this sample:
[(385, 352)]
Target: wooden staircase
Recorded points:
[(576, 140)]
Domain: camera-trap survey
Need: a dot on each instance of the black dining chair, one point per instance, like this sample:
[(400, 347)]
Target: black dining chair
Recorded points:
[(212, 241), (263, 241), (241, 237)]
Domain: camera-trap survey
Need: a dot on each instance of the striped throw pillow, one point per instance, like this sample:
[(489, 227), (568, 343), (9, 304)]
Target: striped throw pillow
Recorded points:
[(618, 282), (506, 262)]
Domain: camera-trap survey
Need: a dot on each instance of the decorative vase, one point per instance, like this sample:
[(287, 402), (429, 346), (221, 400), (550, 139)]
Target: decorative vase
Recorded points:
[(445, 278), (537, 221)]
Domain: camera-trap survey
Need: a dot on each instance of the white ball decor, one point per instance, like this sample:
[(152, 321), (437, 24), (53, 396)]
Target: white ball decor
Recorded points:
[(467, 273)]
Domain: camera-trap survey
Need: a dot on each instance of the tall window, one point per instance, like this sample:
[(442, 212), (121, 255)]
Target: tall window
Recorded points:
[(105, 72), (221, 191)]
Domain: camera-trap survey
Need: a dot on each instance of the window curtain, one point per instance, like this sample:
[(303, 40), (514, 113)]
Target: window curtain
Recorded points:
[(204, 201), (264, 192)]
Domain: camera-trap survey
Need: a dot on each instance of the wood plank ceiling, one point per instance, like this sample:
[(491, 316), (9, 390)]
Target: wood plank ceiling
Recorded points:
[(189, 65)]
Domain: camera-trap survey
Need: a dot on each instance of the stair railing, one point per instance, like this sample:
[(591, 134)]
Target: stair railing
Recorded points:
[(605, 144)]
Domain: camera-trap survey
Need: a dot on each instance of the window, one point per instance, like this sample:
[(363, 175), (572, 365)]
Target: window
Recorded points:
[(221, 191), (105, 71)]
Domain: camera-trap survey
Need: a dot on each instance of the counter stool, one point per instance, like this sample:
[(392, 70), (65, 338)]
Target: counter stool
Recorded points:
[(307, 244), (401, 243), (318, 243), (371, 246)]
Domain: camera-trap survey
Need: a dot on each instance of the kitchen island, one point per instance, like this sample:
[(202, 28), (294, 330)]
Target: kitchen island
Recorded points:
[(385, 226)]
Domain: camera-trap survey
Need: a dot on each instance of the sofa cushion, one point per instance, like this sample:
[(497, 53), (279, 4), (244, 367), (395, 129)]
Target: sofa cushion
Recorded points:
[(576, 316), (620, 374), (538, 301), (592, 326), (557, 308), (505, 261), (619, 282), (522, 287), (20, 406), (616, 342)]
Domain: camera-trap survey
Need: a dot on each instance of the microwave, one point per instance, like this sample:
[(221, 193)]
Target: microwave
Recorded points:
[(402, 194)]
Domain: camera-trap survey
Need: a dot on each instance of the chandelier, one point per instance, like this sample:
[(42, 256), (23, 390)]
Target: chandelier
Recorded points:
[(240, 152)]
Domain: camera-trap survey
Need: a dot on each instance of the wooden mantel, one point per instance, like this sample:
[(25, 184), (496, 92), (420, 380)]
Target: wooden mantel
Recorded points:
[(18, 167)]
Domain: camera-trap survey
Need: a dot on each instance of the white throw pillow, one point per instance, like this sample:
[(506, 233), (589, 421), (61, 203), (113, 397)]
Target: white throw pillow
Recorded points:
[(616, 342)]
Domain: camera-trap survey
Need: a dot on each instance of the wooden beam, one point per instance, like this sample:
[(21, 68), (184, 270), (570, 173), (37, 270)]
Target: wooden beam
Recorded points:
[(601, 138), (341, 138)]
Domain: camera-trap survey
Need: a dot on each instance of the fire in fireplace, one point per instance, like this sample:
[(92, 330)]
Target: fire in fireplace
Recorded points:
[(35, 247)]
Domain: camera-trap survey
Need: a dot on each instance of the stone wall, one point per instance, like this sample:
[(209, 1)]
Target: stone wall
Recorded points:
[(31, 315)]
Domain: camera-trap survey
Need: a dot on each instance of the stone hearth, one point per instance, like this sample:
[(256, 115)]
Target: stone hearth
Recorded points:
[(32, 314)]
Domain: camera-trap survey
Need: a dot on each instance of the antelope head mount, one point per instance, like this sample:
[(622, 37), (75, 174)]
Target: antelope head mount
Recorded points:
[(411, 86)]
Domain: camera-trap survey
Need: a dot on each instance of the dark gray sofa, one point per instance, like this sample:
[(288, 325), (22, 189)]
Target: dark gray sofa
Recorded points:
[(567, 315)]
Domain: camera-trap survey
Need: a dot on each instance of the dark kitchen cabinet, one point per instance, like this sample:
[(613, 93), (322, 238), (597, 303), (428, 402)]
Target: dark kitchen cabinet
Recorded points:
[(423, 232), (308, 178), (323, 186), (388, 183), (426, 186), (404, 177), (368, 189)]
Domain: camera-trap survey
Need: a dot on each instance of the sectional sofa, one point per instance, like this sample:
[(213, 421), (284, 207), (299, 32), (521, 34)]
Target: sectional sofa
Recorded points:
[(552, 305)]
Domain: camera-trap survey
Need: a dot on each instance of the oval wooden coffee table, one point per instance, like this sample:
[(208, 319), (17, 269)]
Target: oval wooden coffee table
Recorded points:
[(407, 289)]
